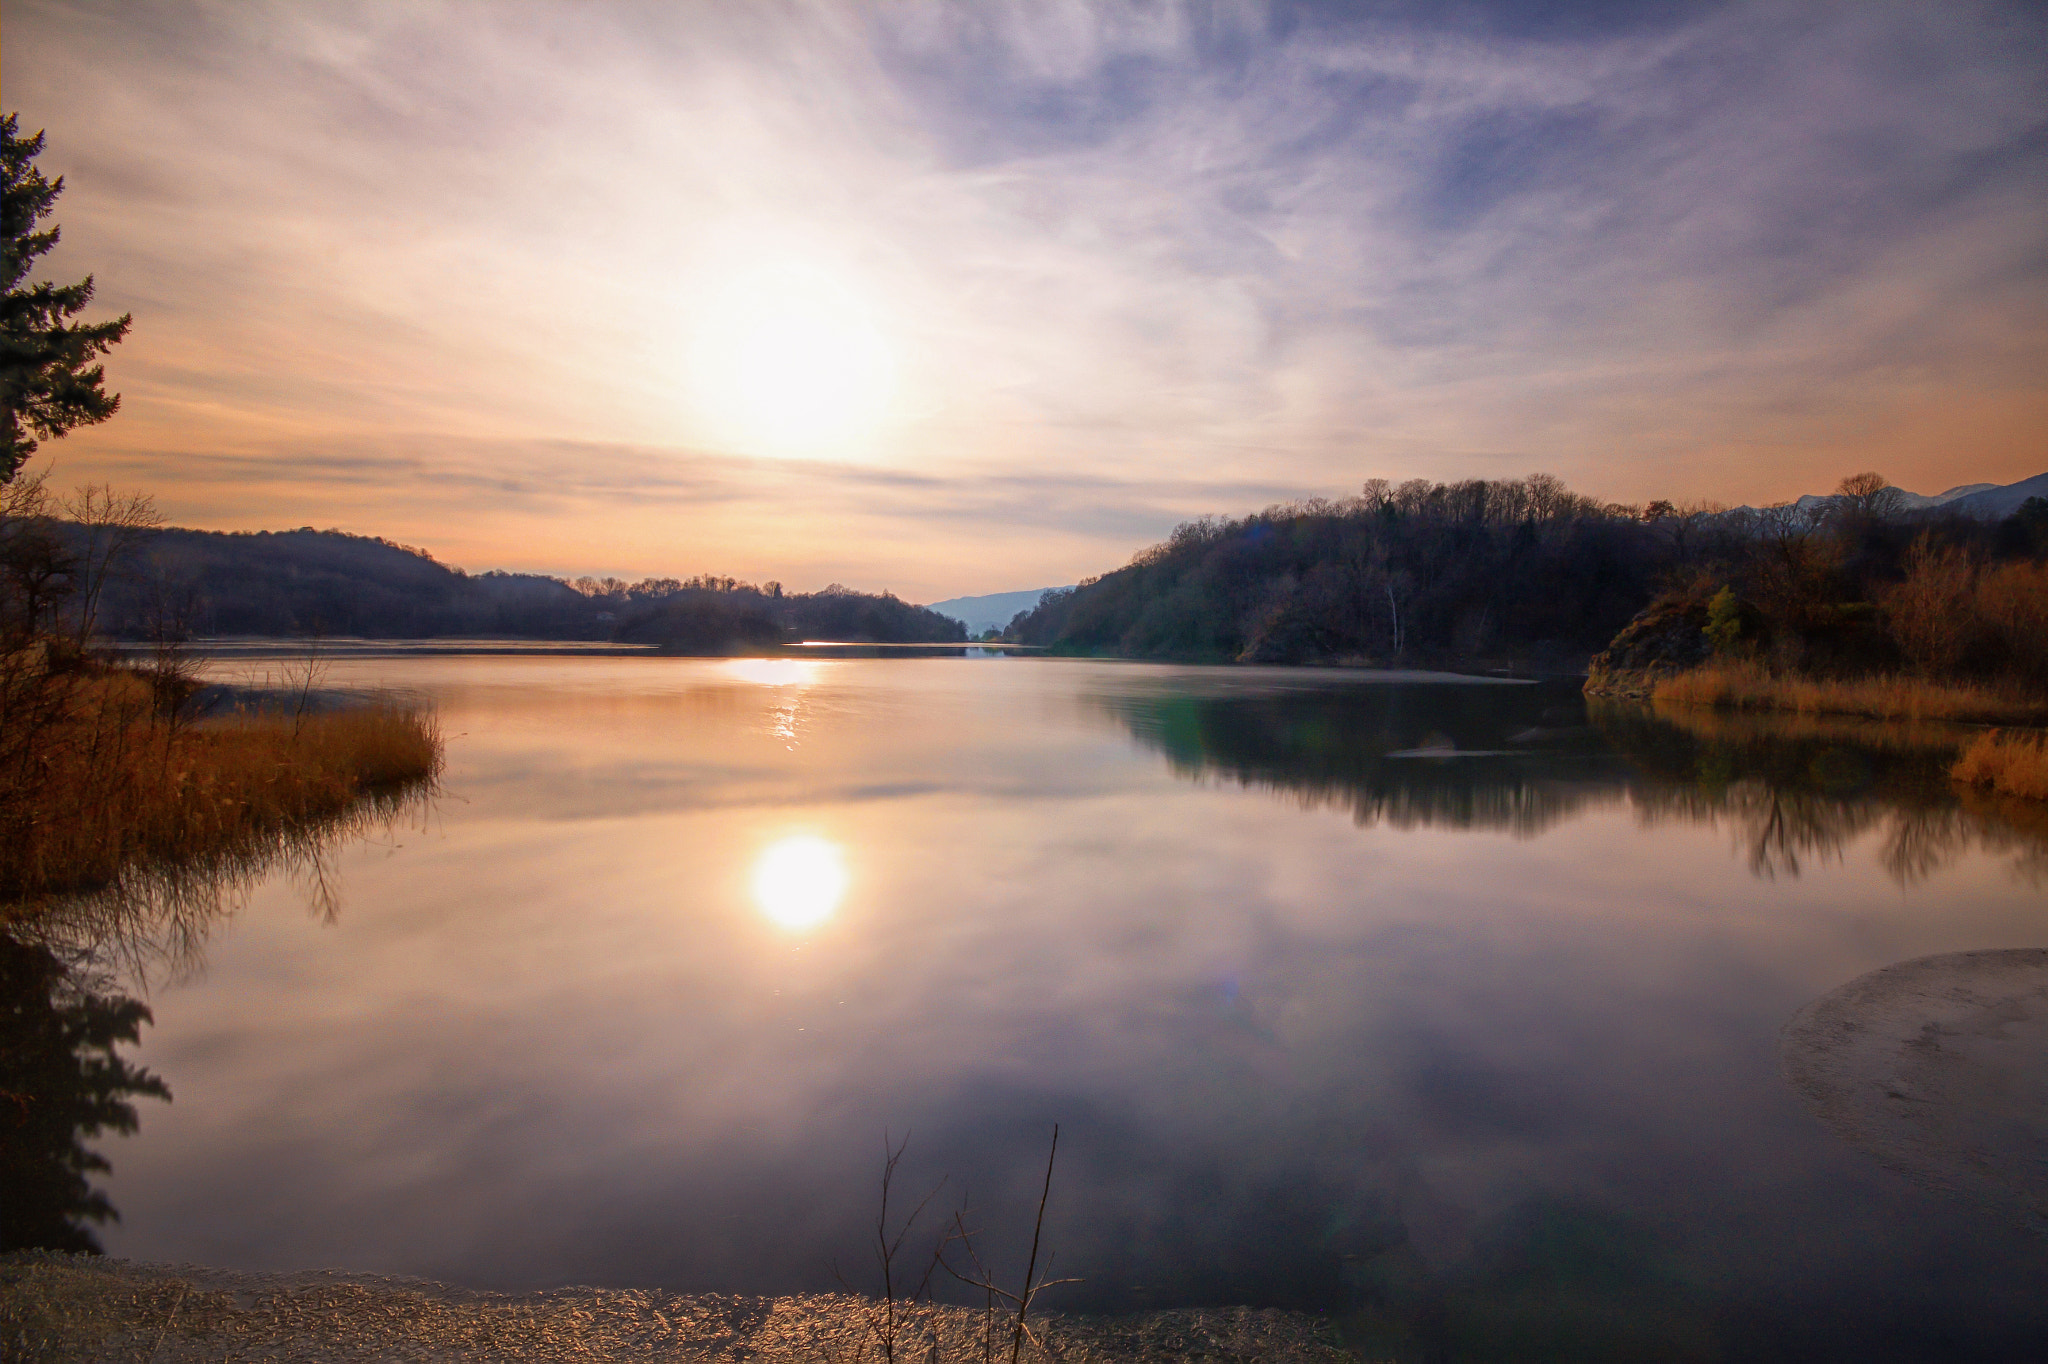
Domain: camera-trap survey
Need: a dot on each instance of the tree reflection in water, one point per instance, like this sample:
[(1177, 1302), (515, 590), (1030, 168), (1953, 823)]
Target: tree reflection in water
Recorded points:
[(1797, 789), (64, 971), (1520, 760), (61, 1082), (1514, 759)]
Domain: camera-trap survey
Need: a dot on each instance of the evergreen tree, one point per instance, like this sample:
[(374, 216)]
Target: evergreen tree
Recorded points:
[(46, 386)]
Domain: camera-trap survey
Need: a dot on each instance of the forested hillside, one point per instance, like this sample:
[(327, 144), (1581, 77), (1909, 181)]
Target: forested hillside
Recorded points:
[(1861, 592), (1521, 570), (312, 583), (1528, 574), (710, 615)]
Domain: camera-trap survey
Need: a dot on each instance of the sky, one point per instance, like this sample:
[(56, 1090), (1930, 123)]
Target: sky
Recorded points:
[(947, 298)]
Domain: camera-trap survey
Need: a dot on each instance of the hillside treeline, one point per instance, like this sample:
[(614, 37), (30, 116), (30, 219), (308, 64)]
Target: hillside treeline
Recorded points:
[(1515, 569), (1856, 591), (128, 581), (1526, 572), (707, 615)]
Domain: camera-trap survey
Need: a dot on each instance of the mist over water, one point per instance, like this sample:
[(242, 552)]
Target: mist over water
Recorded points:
[(1427, 997)]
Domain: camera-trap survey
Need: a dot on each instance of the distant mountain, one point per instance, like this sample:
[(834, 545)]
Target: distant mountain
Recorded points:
[(1914, 501), (992, 611), (1910, 501), (1995, 504), (1983, 501)]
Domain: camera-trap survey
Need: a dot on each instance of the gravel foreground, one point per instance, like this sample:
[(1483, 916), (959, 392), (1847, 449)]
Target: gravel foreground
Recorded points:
[(90, 1309)]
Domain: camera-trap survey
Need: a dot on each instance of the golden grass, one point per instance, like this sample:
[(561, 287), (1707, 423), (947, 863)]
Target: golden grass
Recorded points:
[(104, 785), (1903, 737), (1748, 686), (2011, 764)]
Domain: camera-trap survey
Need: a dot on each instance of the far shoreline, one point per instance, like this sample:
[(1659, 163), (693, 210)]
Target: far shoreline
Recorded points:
[(234, 648)]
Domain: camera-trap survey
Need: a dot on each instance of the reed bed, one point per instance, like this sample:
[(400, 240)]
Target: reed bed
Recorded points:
[(2010, 764), (1926, 738), (100, 782), (1749, 686)]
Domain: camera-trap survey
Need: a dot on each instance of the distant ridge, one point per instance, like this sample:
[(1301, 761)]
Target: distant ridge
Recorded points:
[(1982, 501), (990, 612), (1995, 504)]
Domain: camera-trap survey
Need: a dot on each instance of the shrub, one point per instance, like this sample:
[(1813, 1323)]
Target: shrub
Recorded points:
[(2014, 764), (1931, 614), (2012, 602), (1724, 621)]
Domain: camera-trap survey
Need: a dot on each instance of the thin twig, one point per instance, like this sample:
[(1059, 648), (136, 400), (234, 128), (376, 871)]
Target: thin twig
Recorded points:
[(1031, 1266), (1021, 1330), (183, 1289), (886, 1250)]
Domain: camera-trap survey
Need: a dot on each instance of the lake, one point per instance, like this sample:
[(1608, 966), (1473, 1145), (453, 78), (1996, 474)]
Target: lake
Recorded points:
[(1440, 1004)]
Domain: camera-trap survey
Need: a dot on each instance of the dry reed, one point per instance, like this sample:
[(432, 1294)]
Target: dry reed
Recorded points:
[(107, 784), (1899, 737), (1749, 686), (2011, 764)]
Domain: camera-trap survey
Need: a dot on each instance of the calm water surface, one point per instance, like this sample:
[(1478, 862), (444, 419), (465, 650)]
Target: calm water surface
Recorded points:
[(1422, 1000)]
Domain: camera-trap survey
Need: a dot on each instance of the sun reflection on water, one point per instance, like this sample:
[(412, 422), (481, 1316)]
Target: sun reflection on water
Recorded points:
[(772, 672), (798, 881)]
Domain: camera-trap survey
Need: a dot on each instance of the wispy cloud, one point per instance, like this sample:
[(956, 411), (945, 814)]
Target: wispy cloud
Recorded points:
[(437, 268)]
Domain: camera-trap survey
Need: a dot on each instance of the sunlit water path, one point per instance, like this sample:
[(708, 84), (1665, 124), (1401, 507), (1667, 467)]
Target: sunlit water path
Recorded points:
[(1421, 998)]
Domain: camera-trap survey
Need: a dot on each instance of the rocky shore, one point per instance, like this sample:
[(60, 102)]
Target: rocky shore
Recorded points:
[(1666, 637)]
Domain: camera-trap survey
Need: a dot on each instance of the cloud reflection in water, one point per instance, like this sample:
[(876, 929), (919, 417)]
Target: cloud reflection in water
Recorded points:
[(1496, 1036)]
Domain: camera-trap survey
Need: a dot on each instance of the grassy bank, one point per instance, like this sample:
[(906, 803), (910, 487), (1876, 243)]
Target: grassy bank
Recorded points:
[(2010, 764), (1749, 686), (98, 778)]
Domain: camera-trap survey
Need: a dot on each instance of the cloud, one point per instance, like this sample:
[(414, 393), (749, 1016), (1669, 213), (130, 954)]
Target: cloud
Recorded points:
[(1139, 259)]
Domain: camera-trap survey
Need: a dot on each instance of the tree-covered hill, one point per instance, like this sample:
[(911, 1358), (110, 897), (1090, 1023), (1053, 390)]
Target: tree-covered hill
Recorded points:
[(310, 582), (1521, 570), (716, 615), (1528, 574)]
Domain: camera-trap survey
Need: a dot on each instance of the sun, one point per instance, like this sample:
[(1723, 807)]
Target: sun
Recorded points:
[(787, 361)]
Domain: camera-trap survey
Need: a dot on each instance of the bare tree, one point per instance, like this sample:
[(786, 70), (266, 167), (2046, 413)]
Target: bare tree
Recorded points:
[(1931, 613), (1868, 497), (36, 571), (171, 606), (111, 525), (1793, 569), (1685, 525)]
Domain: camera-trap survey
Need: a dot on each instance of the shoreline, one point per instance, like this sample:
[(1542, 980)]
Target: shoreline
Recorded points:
[(256, 648), (118, 775), (91, 1308), (1897, 698)]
